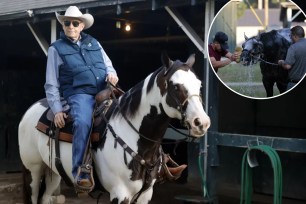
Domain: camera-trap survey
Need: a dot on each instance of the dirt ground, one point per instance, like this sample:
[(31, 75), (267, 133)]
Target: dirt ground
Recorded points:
[(166, 193), (11, 192), (163, 193)]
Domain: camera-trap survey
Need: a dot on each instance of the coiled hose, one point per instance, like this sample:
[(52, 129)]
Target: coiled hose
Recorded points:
[(247, 172)]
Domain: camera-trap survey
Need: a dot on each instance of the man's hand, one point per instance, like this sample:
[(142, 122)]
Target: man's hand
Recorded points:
[(281, 62), (234, 56), (59, 119), (284, 65), (112, 78)]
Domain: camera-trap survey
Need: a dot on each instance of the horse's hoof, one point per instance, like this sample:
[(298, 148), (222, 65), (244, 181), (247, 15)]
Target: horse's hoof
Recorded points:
[(60, 199), (47, 199)]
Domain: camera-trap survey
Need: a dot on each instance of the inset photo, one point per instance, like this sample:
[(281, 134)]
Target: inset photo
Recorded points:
[(257, 48)]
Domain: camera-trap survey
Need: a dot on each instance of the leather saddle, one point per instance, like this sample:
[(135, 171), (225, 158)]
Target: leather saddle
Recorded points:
[(103, 103)]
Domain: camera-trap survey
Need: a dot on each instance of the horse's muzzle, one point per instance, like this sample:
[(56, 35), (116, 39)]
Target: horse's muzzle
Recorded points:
[(198, 126), (245, 58)]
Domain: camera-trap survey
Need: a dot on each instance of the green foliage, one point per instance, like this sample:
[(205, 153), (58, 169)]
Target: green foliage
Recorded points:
[(241, 9), (272, 3)]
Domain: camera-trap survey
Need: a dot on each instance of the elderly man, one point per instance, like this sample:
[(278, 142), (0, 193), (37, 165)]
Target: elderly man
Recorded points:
[(295, 60), (77, 69)]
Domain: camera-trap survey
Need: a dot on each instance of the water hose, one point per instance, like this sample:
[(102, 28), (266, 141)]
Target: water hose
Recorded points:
[(247, 172), (203, 180)]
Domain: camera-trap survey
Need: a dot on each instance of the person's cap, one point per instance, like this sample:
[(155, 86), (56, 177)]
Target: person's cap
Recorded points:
[(222, 38), (74, 12)]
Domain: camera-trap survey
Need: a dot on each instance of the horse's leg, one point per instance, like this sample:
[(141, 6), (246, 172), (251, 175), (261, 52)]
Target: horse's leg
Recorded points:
[(282, 85), (27, 191), (52, 182), (36, 175), (117, 201), (145, 197), (120, 195), (268, 84)]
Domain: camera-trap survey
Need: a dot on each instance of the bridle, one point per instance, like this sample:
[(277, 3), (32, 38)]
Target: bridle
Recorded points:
[(262, 60), (180, 106), (258, 56)]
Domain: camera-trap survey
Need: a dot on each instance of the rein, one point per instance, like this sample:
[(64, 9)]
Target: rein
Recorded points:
[(262, 60)]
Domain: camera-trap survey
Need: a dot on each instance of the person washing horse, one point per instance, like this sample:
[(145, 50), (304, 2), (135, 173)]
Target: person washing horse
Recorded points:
[(77, 69), (218, 49), (295, 60)]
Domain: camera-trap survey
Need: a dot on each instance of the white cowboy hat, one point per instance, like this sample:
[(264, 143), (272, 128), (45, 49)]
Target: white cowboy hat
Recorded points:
[(74, 12)]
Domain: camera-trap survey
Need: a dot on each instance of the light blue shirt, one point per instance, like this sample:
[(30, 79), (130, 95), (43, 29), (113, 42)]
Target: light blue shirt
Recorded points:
[(52, 73)]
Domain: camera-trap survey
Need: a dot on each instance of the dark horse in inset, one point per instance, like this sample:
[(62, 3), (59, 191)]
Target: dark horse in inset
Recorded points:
[(268, 48)]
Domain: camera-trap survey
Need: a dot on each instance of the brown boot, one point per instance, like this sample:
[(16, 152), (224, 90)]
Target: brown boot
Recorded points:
[(81, 188), (84, 182), (177, 171), (171, 172)]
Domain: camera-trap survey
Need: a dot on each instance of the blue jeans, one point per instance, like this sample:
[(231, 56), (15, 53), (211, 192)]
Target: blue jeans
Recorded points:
[(81, 110)]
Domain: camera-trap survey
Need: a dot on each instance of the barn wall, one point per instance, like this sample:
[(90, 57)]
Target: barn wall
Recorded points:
[(22, 68)]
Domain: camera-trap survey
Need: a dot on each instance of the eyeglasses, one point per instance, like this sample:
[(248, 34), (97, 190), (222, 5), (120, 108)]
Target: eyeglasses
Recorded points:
[(74, 23)]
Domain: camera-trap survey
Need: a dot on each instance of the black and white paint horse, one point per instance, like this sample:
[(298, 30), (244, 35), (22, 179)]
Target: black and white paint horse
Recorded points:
[(172, 91), (268, 48)]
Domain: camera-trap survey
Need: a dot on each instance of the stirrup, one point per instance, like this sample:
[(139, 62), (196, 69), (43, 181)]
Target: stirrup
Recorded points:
[(84, 169)]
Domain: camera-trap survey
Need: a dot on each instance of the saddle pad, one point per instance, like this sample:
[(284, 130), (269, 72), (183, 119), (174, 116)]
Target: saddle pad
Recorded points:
[(47, 127)]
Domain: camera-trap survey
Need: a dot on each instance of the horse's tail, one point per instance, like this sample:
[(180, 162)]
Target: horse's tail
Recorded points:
[(27, 190)]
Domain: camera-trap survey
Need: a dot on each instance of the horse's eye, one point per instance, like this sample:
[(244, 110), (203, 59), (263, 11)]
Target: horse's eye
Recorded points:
[(176, 87)]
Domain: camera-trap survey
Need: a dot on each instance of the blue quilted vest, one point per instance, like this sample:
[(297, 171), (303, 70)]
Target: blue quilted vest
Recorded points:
[(83, 69)]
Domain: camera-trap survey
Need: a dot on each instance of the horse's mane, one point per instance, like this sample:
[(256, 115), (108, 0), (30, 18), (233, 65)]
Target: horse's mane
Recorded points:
[(130, 101)]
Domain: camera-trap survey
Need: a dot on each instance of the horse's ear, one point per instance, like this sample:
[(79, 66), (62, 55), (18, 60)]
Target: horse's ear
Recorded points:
[(191, 60), (167, 62), (245, 37), (165, 59)]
